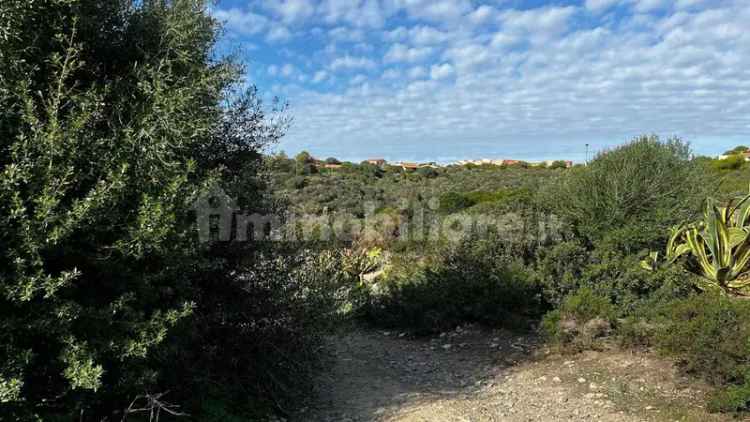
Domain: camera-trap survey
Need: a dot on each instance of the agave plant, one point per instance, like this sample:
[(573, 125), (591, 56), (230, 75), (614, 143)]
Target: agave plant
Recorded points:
[(717, 248), (362, 261)]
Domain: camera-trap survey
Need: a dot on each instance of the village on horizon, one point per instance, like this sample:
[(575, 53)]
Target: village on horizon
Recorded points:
[(333, 164)]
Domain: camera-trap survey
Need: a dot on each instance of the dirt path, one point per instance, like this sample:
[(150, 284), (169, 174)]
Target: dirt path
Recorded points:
[(478, 375)]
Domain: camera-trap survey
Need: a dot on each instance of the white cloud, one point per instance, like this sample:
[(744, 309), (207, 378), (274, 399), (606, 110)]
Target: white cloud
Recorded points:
[(346, 34), (391, 74), (644, 6), (361, 13), (320, 76), (291, 11), (287, 70), (350, 62), (598, 6), (417, 72), (469, 55), (426, 35), (242, 22), (441, 71), (278, 34), (482, 14), (403, 53), (501, 39), (443, 11), (538, 24), (358, 80), (419, 35)]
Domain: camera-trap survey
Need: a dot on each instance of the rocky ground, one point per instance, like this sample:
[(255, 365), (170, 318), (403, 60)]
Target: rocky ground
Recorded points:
[(477, 375)]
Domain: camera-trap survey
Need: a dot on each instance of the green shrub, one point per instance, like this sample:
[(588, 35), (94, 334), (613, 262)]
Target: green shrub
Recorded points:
[(475, 281), (256, 335), (585, 305), (733, 162), (631, 195), (710, 335), (296, 183), (582, 318), (558, 165), (453, 202), (558, 269), (568, 266)]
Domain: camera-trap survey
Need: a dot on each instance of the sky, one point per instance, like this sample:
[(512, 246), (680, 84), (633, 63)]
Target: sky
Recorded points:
[(443, 80)]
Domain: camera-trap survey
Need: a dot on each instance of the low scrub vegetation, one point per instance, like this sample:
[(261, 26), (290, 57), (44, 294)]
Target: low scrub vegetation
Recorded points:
[(474, 281)]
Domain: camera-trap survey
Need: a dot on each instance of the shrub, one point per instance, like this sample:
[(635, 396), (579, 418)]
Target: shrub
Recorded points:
[(427, 172), (453, 202), (296, 182), (254, 341), (733, 162), (558, 165), (475, 281), (630, 195), (568, 266), (582, 318), (710, 335), (558, 269)]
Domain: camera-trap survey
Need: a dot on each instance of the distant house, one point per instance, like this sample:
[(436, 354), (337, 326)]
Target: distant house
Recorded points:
[(408, 166), (744, 154), (333, 166), (510, 162), (380, 162)]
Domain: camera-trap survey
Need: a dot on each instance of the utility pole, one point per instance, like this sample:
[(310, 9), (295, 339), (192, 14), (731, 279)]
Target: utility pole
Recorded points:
[(587, 154)]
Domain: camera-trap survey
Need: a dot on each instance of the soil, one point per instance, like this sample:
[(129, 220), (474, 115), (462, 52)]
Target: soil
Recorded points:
[(473, 374)]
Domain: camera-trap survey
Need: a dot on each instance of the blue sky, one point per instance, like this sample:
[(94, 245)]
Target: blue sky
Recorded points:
[(452, 79)]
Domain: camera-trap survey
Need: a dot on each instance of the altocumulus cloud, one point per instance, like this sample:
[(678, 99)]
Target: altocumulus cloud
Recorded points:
[(447, 79)]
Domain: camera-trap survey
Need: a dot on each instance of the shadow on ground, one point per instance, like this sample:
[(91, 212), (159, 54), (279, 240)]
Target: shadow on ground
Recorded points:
[(379, 373)]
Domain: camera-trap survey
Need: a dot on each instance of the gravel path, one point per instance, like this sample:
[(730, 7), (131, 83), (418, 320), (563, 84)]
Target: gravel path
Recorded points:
[(478, 375)]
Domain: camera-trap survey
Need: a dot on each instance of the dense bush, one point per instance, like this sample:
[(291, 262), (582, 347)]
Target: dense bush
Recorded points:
[(631, 195), (253, 343), (582, 318), (733, 162), (474, 281), (710, 335), (565, 267)]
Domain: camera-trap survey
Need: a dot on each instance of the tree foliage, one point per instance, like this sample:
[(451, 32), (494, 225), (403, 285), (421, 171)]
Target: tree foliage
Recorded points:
[(113, 120)]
